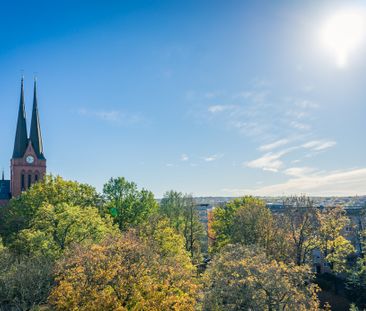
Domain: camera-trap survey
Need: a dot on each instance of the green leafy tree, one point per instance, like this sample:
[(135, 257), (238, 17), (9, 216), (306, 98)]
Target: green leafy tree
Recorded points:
[(225, 217), (51, 190), (356, 283), (55, 227), (128, 205), (242, 278), (182, 214), (247, 221), (172, 206)]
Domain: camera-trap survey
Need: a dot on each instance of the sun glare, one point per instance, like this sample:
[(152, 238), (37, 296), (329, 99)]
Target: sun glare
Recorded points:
[(342, 33)]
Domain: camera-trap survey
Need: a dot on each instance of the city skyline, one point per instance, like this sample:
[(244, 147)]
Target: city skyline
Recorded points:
[(222, 100)]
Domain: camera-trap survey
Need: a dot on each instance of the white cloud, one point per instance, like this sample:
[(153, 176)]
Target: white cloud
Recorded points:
[(297, 114), (300, 126), (269, 162), (273, 145), (219, 108), (184, 157), (319, 145), (213, 157), (306, 104), (299, 171), (339, 183)]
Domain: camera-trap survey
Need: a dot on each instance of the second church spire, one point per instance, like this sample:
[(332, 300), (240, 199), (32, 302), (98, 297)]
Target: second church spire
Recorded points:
[(35, 130)]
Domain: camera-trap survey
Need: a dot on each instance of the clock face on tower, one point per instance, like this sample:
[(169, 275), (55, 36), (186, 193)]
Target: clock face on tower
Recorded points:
[(29, 159)]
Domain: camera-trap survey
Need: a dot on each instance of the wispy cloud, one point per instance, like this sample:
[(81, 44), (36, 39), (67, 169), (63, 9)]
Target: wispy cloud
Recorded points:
[(269, 162), (274, 145), (269, 120), (300, 125), (272, 161), (299, 171), (259, 114), (341, 183), (112, 116), (319, 145), (184, 157), (219, 108), (306, 104), (253, 95), (213, 157)]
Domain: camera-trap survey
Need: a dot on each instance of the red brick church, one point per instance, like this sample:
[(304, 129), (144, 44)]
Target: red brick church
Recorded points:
[(28, 163)]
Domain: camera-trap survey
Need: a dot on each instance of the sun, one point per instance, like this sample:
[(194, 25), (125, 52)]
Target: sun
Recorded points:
[(342, 33)]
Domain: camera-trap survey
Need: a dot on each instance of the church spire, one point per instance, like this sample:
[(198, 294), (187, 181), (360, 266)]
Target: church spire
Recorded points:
[(35, 130), (21, 136)]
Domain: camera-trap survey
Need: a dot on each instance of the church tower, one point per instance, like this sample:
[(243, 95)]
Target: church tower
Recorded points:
[(28, 164)]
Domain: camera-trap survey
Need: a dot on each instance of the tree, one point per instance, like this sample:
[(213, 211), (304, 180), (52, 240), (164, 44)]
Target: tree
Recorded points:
[(56, 227), (126, 203), (334, 246), (251, 224), (193, 230), (172, 206), (51, 190), (25, 282), (301, 222), (353, 307), (182, 214), (2, 248), (248, 221), (127, 273), (242, 278), (225, 221), (356, 283)]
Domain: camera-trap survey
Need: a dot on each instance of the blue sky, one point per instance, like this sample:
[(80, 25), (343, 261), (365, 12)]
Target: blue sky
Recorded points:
[(205, 97)]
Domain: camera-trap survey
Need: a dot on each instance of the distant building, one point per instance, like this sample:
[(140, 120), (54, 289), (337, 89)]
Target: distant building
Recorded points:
[(28, 163)]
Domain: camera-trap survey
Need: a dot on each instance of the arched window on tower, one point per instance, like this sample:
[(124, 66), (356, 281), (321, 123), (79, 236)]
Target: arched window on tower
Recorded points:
[(29, 179), (22, 181)]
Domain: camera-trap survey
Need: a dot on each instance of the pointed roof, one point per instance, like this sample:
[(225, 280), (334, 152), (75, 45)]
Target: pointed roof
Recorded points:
[(21, 136), (35, 130)]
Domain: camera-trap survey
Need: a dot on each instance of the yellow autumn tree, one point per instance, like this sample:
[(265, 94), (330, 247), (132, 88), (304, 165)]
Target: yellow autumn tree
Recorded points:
[(126, 273), (334, 246), (242, 278)]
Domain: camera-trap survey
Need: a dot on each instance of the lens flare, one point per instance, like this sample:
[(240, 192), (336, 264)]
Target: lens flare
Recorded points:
[(343, 33)]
